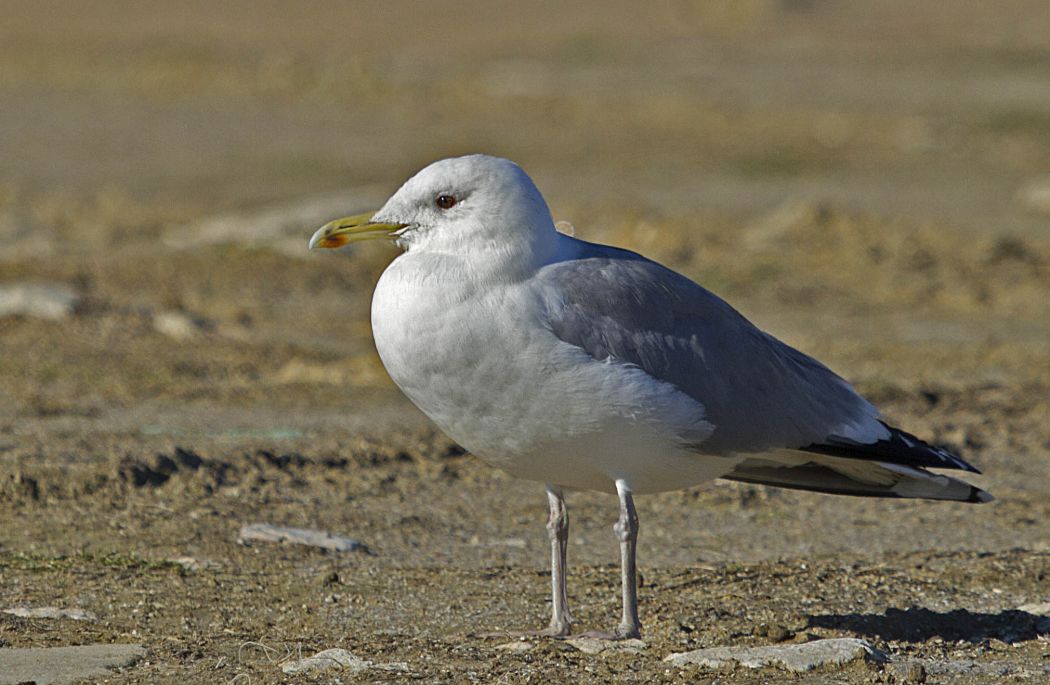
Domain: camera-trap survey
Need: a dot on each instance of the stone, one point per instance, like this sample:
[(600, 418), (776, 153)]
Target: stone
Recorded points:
[(515, 647), (178, 325), (1036, 608), (50, 301), (51, 612), (328, 660), (775, 632), (796, 658), (478, 541), (908, 672), (194, 565), (596, 645), (264, 532), (1042, 611), (61, 665), (957, 667), (340, 660)]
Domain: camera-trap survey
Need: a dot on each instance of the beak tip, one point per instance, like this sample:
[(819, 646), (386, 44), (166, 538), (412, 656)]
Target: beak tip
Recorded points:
[(317, 240), (350, 229)]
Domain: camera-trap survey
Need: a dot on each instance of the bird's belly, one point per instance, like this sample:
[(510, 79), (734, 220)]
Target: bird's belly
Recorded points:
[(537, 407)]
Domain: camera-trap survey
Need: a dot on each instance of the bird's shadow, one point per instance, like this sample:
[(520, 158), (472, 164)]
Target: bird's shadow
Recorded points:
[(919, 625)]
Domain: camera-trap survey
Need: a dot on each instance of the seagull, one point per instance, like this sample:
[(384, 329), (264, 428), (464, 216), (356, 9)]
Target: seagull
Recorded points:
[(588, 367)]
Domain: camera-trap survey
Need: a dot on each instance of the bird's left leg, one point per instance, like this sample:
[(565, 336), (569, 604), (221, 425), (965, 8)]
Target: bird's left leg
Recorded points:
[(626, 530), (558, 531)]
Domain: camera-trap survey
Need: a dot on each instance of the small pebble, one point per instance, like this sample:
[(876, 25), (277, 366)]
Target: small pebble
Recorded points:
[(51, 612), (908, 673), (51, 301), (596, 645), (178, 325), (775, 632), (517, 646), (264, 532)]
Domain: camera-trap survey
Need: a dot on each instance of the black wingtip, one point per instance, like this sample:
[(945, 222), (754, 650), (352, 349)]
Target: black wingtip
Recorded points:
[(979, 496), (949, 460), (900, 448)]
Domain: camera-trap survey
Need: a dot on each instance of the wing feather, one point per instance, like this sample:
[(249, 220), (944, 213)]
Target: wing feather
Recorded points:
[(760, 394)]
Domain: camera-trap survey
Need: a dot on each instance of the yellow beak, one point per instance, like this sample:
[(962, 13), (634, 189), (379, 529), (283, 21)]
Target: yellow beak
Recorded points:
[(352, 229)]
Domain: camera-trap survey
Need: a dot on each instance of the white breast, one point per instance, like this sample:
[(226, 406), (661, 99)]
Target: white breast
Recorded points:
[(509, 391)]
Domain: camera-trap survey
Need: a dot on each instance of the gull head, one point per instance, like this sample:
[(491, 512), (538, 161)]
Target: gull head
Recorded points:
[(473, 205)]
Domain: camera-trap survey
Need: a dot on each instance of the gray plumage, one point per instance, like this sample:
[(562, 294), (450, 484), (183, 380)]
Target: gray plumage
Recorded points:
[(762, 396)]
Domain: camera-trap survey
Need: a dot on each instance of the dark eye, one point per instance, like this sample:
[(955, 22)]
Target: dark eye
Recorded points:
[(445, 201)]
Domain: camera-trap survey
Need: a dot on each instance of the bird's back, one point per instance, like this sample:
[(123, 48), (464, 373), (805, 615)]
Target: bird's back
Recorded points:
[(758, 392), (796, 423)]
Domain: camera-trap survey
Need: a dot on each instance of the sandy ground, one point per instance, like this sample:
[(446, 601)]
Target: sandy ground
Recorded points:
[(870, 184)]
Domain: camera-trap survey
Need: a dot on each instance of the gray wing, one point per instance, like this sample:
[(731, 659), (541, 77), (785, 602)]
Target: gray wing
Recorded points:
[(760, 394)]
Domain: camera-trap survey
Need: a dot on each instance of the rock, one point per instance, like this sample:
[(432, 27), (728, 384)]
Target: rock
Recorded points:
[(194, 565), (264, 532), (1042, 610), (52, 301), (596, 645), (956, 667), (60, 665), (337, 659), (908, 672), (796, 658), (477, 541), (775, 632), (1037, 608), (515, 647), (328, 660), (178, 325), (51, 612), (285, 228)]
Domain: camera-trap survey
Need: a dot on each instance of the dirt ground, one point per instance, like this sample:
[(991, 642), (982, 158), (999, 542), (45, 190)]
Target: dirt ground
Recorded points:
[(870, 182)]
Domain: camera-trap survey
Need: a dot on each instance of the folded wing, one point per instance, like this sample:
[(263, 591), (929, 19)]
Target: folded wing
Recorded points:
[(799, 424)]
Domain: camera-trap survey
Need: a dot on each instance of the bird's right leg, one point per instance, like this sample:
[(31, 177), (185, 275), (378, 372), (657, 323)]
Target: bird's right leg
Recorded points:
[(558, 532)]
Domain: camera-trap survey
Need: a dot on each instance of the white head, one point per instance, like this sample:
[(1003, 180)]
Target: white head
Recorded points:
[(464, 206)]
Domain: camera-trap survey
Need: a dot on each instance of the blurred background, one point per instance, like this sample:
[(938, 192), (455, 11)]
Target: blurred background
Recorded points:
[(869, 181), (851, 175)]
